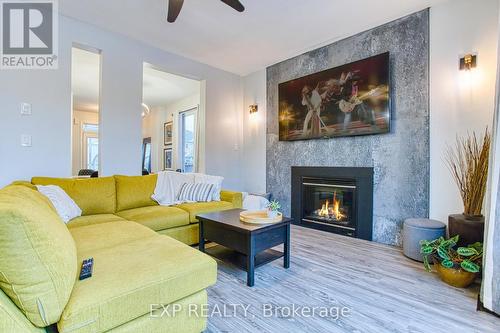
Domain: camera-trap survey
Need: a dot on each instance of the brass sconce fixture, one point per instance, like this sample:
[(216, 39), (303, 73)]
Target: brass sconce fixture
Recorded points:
[(468, 62), (253, 108)]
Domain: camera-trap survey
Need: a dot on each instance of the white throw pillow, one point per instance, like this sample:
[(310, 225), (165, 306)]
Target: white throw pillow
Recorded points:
[(215, 180), (201, 192), (254, 202), (66, 208)]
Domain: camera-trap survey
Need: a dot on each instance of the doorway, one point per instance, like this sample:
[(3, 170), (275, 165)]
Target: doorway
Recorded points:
[(85, 87), (170, 121)]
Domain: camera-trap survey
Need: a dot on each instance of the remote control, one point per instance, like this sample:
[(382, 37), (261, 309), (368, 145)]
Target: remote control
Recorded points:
[(87, 267)]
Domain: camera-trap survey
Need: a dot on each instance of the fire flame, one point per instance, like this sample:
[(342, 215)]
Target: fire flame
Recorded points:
[(328, 210)]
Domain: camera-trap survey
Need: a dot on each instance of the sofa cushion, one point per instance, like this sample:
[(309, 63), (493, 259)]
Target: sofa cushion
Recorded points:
[(24, 183), (92, 195), (128, 278), (236, 198), (38, 263), (157, 217), (135, 191), (13, 320), (188, 234), (100, 236), (93, 219), (196, 208), (184, 321)]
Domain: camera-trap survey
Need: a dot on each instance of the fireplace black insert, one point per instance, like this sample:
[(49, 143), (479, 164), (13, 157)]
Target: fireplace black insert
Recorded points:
[(338, 200)]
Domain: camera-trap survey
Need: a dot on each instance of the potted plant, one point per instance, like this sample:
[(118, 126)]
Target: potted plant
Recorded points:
[(468, 163), (458, 267), (273, 208)]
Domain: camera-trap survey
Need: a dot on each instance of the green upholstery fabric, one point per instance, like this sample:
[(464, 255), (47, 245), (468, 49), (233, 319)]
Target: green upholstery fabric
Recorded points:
[(105, 235), (204, 207), (236, 198), (92, 195), (13, 320), (37, 255), (32, 187), (135, 191), (40, 257), (163, 271), (157, 217), (183, 321), (24, 183), (188, 234), (93, 219)]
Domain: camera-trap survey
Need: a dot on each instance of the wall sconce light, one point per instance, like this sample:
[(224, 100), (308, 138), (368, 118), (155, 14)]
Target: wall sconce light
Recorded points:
[(468, 62), (253, 108)]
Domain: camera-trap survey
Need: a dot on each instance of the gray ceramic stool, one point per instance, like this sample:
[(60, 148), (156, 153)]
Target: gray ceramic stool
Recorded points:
[(415, 230)]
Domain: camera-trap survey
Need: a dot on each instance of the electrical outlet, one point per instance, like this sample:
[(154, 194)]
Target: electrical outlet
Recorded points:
[(25, 140), (26, 109)]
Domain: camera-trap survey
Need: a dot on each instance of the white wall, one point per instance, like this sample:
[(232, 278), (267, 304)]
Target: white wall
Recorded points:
[(153, 126), (457, 104), (49, 91), (459, 101), (172, 114), (150, 130), (254, 133)]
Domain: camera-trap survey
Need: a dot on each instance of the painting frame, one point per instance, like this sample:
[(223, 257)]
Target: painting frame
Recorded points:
[(168, 133), (353, 99), (168, 158)]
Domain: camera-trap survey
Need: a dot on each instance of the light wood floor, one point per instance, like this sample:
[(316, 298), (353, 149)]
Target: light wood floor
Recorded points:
[(385, 292)]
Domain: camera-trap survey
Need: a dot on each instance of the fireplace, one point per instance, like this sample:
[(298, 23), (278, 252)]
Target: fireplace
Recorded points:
[(338, 200)]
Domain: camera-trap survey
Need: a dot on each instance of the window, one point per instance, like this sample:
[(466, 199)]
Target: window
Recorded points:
[(92, 153), (91, 146), (188, 140)]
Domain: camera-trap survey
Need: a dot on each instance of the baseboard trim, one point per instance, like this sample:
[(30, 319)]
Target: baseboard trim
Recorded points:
[(480, 307)]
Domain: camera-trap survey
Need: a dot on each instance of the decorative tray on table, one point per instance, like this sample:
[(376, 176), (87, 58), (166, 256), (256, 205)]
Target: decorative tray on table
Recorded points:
[(259, 217)]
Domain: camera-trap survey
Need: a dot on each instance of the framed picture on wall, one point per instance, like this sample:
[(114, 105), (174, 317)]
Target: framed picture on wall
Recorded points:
[(167, 158), (352, 99), (168, 133)]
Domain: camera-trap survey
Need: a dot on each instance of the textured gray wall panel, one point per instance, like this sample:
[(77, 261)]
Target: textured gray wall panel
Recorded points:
[(400, 158)]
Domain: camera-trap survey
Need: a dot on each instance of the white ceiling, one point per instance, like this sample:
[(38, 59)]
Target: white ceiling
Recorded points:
[(162, 88), (85, 80), (159, 88), (267, 32)]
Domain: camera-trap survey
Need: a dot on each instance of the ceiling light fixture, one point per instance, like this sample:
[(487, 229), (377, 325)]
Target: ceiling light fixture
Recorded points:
[(175, 6), (145, 110)]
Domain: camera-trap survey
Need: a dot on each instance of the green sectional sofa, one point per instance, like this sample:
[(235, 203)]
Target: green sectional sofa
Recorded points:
[(137, 269), (122, 198)]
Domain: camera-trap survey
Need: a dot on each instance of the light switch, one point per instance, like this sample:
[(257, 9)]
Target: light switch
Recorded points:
[(26, 109), (25, 140)]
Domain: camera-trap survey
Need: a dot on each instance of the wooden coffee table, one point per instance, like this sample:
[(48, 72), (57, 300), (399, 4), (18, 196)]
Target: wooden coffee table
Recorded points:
[(248, 246)]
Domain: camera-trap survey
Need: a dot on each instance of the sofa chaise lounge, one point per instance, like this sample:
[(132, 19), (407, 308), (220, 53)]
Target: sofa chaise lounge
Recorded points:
[(138, 268)]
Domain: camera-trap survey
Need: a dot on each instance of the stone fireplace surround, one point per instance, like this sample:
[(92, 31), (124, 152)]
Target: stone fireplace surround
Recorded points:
[(400, 159)]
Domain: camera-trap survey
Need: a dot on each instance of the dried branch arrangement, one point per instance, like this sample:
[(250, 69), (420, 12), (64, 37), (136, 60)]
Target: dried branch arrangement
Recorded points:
[(468, 163)]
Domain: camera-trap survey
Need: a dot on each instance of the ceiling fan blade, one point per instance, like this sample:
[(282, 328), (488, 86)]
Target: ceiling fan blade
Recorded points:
[(174, 8), (234, 4)]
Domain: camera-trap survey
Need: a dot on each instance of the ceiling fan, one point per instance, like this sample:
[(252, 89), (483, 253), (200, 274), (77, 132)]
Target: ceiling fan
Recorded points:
[(175, 6)]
